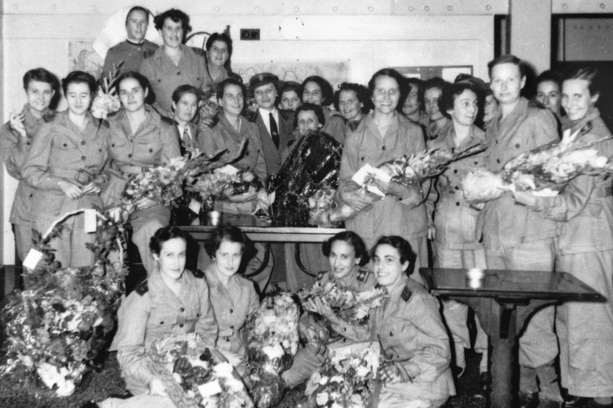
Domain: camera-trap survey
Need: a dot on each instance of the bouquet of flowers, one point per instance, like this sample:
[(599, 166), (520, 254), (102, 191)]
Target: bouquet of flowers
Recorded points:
[(406, 171), (208, 108), (56, 329), (106, 101), (196, 375), (347, 378), (320, 205), (272, 342), (225, 182), (545, 170)]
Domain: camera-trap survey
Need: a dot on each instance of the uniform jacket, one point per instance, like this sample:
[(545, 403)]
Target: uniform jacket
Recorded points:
[(334, 126), (155, 142), (503, 222), (232, 306), (131, 54), (224, 136), (209, 83), (585, 207), (272, 154), (165, 76), (153, 311), (455, 220), (14, 150), (389, 215), (411, 332), (60, 151)]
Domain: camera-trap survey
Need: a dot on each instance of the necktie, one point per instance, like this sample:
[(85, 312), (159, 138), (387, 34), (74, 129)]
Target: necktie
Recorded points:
[(186, 138), (274, 131)]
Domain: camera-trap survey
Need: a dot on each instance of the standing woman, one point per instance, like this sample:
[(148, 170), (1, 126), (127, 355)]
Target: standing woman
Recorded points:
[(316, 90), (218, 53), (413, 104), (409, 328), (139, 139), (233, 297), (439, 121), (584, 210), (384, 135), (41, 88), (455, 233), (64, 166), (353, 102), (490, 107), (171, 301)]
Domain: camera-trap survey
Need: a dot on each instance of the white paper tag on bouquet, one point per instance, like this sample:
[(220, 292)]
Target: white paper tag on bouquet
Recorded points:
[(194, 206), (228, 170), (89, 221), (209, 389), (32, 259), (367, 172)]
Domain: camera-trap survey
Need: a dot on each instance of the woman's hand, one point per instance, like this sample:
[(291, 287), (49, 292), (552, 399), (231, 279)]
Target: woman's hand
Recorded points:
[(324, 310), (91, 188), (16, 124), (525, 197), (71, 190), (156, 387), (355, 200), (389, 187)]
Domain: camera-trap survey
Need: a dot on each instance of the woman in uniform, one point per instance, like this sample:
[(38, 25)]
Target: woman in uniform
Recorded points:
[(584, 210), (171, 301), (233, 297), (439, 121), (64, 166), (353, 102), (218, 53), (413, 104), (408, 326), (41, 88), (139, 139), (316, 90), (384, 135)]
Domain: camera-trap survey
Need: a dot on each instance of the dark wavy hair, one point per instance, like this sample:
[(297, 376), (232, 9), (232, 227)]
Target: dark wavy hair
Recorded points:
[(361, 92), (42, 75), (324, 85), (221, 87), (162, 235), (319, 112), (143, 82), (404, 250), (409, 84), (223, 37), (229, 233), (185, 89), (79, 77), (351, 238), (175, 15), (452, 91)]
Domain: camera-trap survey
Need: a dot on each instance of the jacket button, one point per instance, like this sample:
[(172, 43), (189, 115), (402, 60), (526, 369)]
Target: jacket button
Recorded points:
[(476, 162), (161, 322), (181, 309), (457, 203), (391, 334), (383, 148), (178, 73), (129, 155), (113, 145), (231, 326), (231, 311), (180, 325), (497, 160), (65, 146), (455, 171), (28, 143), (150, 150), (457, 188), (362, 158), (82, 157), (82, 142)]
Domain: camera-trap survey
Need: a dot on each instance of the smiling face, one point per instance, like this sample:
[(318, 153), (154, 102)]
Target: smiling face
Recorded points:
[(387, 265), (136, 25), (171, 260), (265, 96), (228, 258), (172, 33), (185, 108), (218, 53), (39, 95), (312, 93), (342, 259), (431, 97), (411, 103), (349, 105), (232, 100), (290, 101), (132, 95), (307, 122), (465, 108), (489, 109), (78, 97), (386, 94), (577, 99), (548, 94), (506, 83)]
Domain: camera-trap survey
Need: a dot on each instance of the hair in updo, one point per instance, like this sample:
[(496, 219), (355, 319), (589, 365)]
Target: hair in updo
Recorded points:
[(79, 77), (142, 81), (228, 233), (307, 106), (404, 250), (162, 235), (351, 238)]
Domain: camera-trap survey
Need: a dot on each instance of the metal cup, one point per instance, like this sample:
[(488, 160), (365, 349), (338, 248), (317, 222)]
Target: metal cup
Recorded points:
[(214, 218)]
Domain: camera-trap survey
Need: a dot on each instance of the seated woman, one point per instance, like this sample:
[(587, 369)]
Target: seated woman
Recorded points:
[(353, 102), (316, 90), (171, 301), (346, 253), (64, 167), (233, 297), (411, 332)]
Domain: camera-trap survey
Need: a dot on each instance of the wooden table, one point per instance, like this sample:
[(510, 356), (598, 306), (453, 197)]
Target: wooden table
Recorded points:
[(259, 230), (504, 301)]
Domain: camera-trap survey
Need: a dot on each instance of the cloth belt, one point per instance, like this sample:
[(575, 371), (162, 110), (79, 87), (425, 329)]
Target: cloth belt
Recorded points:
[(81, 176), (130, 170)]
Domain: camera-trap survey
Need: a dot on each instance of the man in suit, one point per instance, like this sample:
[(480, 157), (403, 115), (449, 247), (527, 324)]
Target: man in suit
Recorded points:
[(275, 126)]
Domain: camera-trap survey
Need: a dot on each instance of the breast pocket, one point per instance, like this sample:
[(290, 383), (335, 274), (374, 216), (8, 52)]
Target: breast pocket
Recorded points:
[(63, 142), (146, 151), (162, 321)]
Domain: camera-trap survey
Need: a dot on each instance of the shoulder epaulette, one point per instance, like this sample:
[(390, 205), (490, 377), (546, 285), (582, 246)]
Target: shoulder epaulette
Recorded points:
[(250, 115), (406, 293), (363, 275), (198, 274), (142, 288), (148, 53), (587, 128), (320, 275)]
